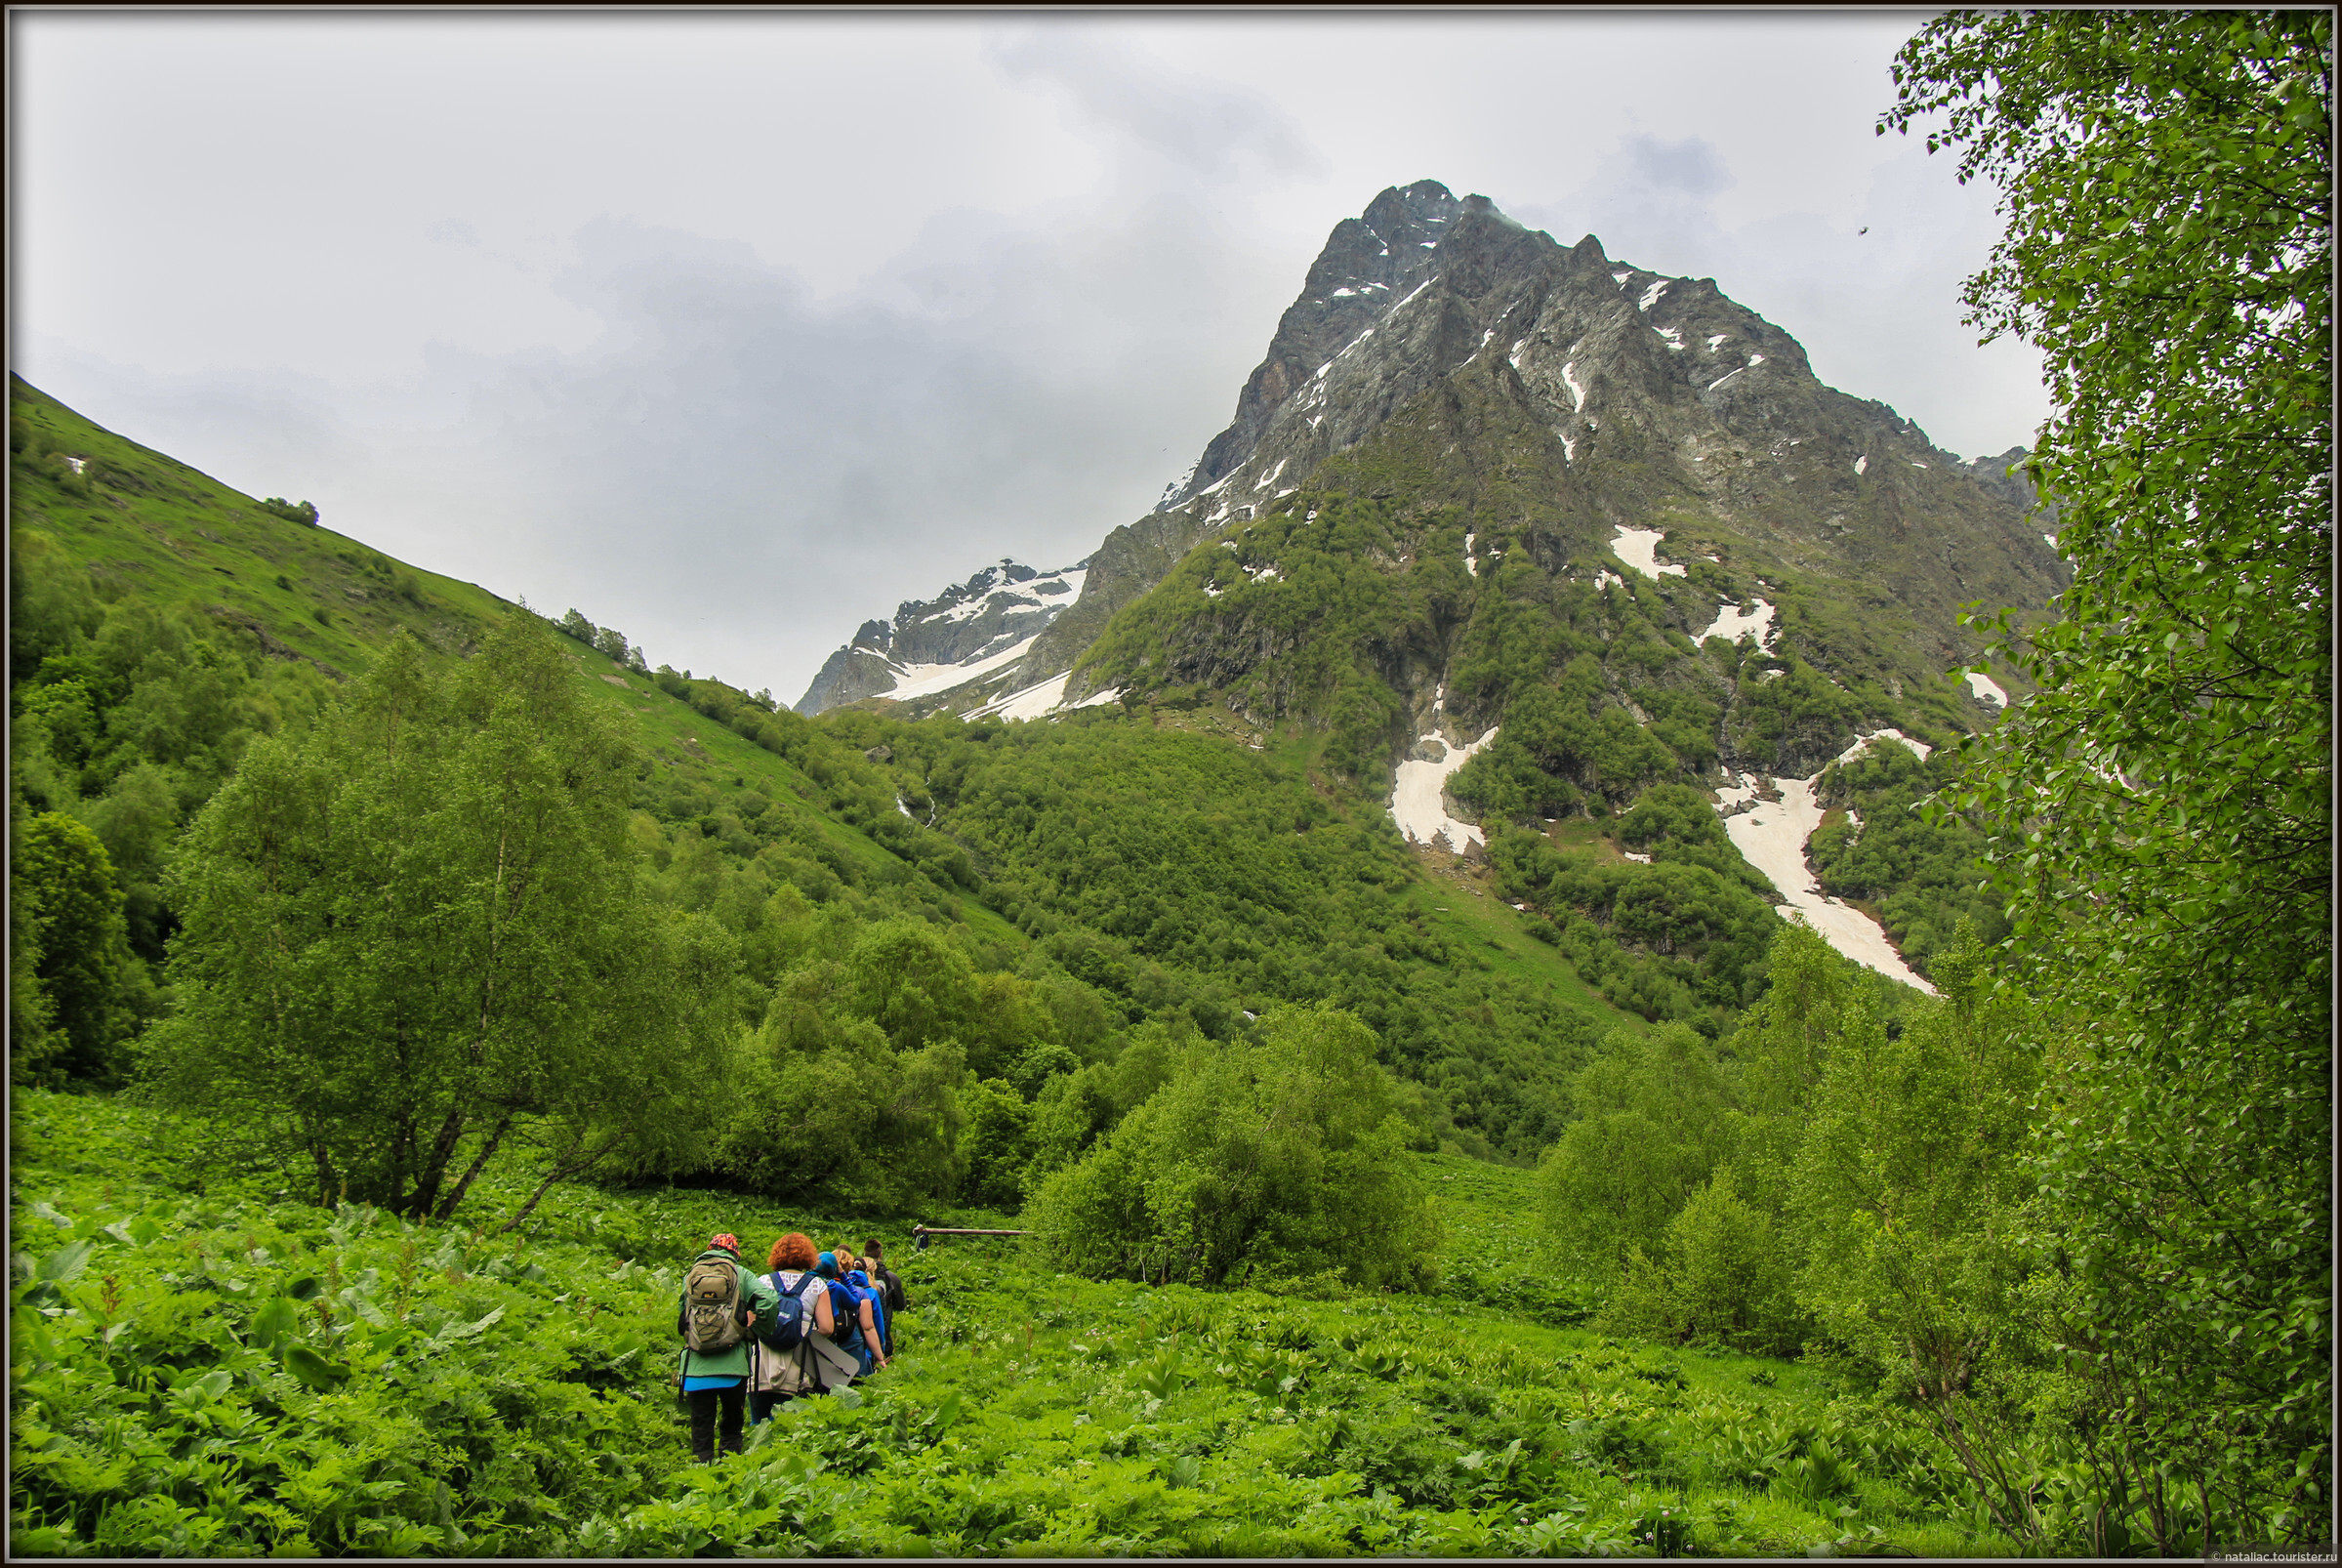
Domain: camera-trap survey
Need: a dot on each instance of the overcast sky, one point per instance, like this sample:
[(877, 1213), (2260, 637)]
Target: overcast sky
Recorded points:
[(735, 330)]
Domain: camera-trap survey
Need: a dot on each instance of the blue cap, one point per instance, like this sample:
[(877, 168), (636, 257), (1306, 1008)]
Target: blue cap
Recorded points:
[(826, 1265)]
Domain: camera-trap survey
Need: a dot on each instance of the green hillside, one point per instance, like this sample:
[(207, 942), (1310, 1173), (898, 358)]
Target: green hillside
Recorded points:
[(165, 621)]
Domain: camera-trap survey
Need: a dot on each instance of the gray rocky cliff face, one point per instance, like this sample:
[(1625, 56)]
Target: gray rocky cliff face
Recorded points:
[(1625, 394)]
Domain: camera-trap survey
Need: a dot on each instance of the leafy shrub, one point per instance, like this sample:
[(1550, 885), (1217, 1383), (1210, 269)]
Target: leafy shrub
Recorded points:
[(302, 511), (1726, 1279), (995, 1144), (1654, 1121), (1287, 1153)]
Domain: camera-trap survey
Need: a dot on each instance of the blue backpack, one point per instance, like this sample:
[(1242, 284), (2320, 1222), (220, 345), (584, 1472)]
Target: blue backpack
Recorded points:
[(846, 1322), (859, 1283), (790, 1321)]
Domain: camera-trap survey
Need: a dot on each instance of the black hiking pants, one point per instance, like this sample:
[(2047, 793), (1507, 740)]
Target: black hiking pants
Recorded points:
[(705, 1404)]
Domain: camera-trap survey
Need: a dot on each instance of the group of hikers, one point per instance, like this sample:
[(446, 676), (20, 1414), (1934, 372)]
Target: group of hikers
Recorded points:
[(816, 1322)]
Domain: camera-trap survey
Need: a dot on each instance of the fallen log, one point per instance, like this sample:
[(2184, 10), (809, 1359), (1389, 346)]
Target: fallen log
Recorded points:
[(936, 1231)]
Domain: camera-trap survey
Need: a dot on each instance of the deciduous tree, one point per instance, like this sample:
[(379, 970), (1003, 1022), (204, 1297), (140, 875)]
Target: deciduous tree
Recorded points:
[(2161, 806), (415, 935)]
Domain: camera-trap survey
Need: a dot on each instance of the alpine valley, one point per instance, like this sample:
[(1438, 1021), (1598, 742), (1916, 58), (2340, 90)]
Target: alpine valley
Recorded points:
[(1494, 976), (1536, 634), (1429, 771)]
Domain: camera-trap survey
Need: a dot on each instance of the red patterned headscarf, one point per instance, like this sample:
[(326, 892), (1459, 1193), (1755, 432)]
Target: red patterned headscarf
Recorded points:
[(724, 1242)]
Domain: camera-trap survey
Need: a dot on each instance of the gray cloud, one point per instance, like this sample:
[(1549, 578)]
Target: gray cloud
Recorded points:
[(1205, 125), (1691, 165), (737, 472)]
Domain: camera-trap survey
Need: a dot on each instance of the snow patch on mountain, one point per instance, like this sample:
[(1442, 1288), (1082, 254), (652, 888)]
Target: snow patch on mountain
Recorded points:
[(1771, 836), (1984, 689), (1638, 547), (1417, 799), (926, 680), (1041, 700), (1732, 624), (1864, 742)]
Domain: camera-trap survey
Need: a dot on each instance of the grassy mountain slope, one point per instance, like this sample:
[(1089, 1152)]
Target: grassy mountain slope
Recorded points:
[(134, 574), (154, 528), (751, 813)]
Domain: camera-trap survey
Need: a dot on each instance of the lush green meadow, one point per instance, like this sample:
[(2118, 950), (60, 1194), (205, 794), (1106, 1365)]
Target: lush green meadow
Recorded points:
[(204, 1365)]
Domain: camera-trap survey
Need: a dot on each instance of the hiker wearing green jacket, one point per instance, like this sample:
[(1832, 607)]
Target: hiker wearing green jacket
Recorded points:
[(722, 1302)]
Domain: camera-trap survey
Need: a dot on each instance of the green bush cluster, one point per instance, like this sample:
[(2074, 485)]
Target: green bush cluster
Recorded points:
[(302, 511), (1282, 1153)]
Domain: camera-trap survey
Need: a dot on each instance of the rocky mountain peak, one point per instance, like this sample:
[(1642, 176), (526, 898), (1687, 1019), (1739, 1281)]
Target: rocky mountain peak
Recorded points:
[(1624, 396), (971, 628)]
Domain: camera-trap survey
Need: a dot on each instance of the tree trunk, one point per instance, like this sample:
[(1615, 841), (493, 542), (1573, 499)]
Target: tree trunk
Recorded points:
[(325, 1173), (434, 1166), (464, 1183), (560, 1173)]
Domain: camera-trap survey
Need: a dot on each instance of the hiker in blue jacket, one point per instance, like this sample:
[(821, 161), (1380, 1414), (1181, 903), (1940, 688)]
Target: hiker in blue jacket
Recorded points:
[(881, 1338), (857, 1331)]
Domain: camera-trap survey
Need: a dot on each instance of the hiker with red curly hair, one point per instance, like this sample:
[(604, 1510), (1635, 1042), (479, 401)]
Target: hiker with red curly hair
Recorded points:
[(813, 1365), (722, 1302)]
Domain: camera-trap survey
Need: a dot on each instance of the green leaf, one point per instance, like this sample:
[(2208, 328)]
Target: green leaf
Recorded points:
[(465, 1331), (275, 1322), (312, 1369), (64, 1263)]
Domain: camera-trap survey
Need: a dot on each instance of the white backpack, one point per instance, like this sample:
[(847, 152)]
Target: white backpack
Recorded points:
[(816, 1365)]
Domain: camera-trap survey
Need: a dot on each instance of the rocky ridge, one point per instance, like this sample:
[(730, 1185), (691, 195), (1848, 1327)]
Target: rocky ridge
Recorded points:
[(972, 628), (1631, 400)]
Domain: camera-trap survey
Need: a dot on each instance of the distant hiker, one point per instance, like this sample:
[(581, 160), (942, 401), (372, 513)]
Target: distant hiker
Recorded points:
[(878, 1326), (722, 1303), (888, 1282), (814, 1363), (852, 1312)]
